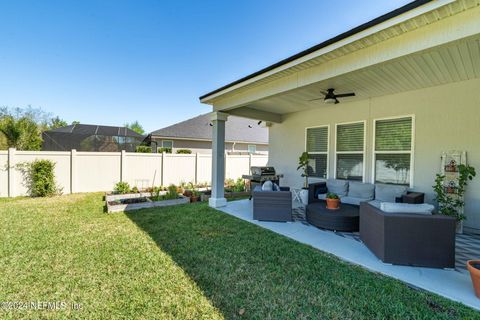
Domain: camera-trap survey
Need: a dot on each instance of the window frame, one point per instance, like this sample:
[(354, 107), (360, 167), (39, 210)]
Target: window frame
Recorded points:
[(327, 169), (168, 141), (411, 152), (364, 169), (254, 146)]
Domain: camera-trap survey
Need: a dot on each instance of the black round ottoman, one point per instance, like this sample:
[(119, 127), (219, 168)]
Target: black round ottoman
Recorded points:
[(346, 218)]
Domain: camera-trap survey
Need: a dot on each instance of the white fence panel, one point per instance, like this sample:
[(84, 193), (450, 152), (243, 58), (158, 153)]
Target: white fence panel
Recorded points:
[(100, 171), (142, 169), (178, 168), (259, 161), (62, 168), (96, 171), (236, 166), (3, 174), (204, 168)]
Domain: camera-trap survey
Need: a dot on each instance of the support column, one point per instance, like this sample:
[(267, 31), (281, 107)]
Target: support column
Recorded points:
[(218, 160)]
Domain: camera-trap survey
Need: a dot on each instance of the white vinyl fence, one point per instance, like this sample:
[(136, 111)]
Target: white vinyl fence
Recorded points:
[(99, 171)]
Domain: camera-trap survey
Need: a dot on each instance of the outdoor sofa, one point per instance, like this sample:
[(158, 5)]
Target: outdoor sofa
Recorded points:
[(272, 205)]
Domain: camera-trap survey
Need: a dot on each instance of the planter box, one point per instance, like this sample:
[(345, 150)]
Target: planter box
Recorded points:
[(205, 197), (135, 206)]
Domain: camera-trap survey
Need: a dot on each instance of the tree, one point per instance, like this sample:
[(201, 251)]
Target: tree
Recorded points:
[(135, 126), (57, 123), (75, 122), (22, 133)]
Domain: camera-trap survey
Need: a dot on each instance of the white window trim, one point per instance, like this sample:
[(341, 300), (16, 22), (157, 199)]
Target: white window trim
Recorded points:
[(364, 169), (328, 147), (168, 141), (252, 145), (411, 152)]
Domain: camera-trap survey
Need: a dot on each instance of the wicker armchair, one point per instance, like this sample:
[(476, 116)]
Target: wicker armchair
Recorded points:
[(272, 205)]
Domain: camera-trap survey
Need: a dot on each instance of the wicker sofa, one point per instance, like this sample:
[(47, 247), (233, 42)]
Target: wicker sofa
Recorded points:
[(272, 205), (408, 239)]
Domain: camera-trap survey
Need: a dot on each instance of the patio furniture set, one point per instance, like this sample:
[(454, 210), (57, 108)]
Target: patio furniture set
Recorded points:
[(393, 223)]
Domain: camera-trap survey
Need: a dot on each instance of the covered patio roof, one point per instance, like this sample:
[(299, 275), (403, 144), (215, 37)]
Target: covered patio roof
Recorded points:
[(423, 44)]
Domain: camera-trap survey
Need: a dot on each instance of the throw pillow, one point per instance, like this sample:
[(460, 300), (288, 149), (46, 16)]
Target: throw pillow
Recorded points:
[(267, 186)]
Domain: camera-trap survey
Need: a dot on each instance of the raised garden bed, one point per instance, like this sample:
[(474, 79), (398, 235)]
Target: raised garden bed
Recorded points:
[(135, 201), (207, 195)]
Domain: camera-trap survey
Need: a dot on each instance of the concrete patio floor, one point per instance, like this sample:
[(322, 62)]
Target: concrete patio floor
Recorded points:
[(450, 283)]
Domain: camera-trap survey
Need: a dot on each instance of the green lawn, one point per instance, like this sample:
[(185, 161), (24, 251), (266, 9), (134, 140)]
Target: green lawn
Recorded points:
[(184, 262)]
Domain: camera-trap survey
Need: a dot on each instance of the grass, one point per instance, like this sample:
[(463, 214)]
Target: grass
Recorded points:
[(184, 262)]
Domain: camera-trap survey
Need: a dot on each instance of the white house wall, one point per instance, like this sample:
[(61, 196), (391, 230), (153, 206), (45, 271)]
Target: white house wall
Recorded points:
[(447, 118)]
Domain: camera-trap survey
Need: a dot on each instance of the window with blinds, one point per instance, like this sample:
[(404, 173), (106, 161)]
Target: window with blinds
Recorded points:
[(350, 150), (393, 150), (317, 149)]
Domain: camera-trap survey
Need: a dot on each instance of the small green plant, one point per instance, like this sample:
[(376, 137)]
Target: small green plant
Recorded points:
[(239, 185), (40, 178), (452, 204), (184, 151), (135, 189), (332, 195), (172, 192), (303, 165), (164, 150), (143, 149), (121, 188)]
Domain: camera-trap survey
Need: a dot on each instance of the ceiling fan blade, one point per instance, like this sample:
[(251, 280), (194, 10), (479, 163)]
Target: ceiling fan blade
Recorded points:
[(342, 95), (316, 99), (336, 101)]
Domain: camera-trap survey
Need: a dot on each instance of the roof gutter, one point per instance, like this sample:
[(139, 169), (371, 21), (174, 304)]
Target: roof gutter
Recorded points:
[(392, 14)]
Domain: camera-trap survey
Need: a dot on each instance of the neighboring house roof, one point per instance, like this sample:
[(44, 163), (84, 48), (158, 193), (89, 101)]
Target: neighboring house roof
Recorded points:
[(91, 129), (349, 33), (237, 129)]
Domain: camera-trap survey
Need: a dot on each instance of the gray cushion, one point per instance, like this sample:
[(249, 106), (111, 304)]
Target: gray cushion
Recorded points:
[(339, 187), (388, 192), (267, 186), (352, 200), (390, 207), (375, 203), (361, 190), (322, 196)]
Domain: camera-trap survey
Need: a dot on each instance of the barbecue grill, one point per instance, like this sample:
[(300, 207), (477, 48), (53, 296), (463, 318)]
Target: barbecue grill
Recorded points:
[(261, 174)]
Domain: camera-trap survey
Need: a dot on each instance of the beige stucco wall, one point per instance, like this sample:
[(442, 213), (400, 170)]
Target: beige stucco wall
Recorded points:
[(206, 146), (446, 118)]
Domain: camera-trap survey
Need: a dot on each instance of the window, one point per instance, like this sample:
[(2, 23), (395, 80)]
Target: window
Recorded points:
[(349, 151), (393, 150), (317, 149), (252, 148), (167, 144)]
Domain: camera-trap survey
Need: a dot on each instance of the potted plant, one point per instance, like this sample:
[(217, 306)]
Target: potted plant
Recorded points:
[(473, 267), (195, 196), (449, 198), (333, 200), (303, 162)]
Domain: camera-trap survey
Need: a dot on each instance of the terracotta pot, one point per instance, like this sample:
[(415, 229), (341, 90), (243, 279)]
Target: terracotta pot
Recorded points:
[(194, 198), (187, 193), (475, 275), (333, 203)]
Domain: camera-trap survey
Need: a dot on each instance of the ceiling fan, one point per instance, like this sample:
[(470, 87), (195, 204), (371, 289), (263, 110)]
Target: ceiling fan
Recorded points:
[(331, 98)]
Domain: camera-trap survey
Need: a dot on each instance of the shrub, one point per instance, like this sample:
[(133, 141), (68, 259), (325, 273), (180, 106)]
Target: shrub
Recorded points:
[(121, 188), (172, 192), (184, 151), (143, 149), (164, 150), (41, 178), (239, 185)]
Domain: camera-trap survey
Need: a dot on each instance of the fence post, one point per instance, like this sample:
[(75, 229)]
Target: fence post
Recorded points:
[(73, 170), (196, 168), (123, 166), (163, 169), (11, 172)]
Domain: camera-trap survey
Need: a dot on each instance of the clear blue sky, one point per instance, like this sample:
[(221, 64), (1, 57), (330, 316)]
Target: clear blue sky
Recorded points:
[(113, 61)]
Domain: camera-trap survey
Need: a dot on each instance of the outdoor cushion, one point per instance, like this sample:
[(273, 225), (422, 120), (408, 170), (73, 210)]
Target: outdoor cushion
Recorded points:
[(352, 200), (339, 187), (267, 186), (388, 193), (375, 203), (275, 187), (390, 207), (322, 196), (361, 190)]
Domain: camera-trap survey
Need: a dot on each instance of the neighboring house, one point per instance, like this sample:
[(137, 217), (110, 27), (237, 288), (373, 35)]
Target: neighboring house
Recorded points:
[(87, 137), (415, 73), (241, 136)]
